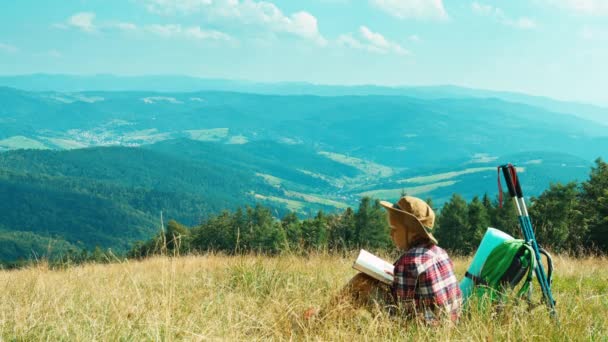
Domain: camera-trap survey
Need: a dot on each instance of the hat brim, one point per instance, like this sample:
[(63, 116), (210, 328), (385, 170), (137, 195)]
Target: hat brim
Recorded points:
[(410, 220)]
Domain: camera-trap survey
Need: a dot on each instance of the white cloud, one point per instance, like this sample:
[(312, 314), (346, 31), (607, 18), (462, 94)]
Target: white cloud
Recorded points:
[(83, 21), (349, 41), (194, 32), (8, 48), (485, 9), (247, 12), (156, 99), (414, 38), (305, 25), (589, 7), (523, 23), (170, 7), (374, 38), (123, 26), (371, 42), (412, 9), (166, 31)]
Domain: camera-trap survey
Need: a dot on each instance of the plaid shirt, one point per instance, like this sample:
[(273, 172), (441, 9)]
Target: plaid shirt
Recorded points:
[(424, 277)]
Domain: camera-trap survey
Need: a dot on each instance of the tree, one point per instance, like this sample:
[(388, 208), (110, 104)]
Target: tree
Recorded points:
[(487, 203), (478, 222), (315, 232), (293, 231), (453, 223), (558, 220), (371, 226), (505, 218), (594, 204), (266, 234), (215, 234), (176, 237), (342, 231)]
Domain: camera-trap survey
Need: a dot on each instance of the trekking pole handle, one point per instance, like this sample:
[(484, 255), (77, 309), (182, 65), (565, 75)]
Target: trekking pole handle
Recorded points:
[(508, 179), (520, 193), (510, 173)]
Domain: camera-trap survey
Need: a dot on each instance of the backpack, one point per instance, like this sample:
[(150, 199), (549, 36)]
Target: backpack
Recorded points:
[(506, 266)]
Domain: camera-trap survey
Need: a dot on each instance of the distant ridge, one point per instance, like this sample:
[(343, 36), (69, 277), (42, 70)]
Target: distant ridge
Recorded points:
[(178, 83)]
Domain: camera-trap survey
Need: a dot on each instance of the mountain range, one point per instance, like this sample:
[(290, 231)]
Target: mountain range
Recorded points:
[(92, 161)]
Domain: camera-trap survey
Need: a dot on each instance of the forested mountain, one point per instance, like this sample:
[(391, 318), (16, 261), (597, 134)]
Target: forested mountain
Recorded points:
[(97, 167), (112, 196)]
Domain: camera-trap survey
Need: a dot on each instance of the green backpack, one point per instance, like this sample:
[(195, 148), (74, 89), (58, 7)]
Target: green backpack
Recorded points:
[(504, 268)]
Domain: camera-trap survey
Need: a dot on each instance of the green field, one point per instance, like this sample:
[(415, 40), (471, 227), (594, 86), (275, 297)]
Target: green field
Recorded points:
[(213, 134), (412, 191), (253, 298), (238, 140), (270, 179), (316, 199), (443, 176), (147, 136), (66, 144), (367, 167), (21, 142), (292, 205)]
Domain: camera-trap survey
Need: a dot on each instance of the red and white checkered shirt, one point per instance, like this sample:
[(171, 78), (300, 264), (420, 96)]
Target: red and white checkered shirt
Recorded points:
[(424, 277)]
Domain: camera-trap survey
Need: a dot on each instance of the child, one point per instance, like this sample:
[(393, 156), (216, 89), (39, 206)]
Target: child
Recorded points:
[(424, 286), (424, 282)]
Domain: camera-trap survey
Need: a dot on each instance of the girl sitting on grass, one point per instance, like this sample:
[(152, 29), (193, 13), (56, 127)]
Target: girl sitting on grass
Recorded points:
[(424, 286)]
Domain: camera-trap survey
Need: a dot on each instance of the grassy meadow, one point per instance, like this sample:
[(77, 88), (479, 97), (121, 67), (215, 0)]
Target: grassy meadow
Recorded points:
[(216, 297)]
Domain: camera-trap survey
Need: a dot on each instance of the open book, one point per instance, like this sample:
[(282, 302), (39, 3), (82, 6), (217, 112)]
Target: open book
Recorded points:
[(374, 267)]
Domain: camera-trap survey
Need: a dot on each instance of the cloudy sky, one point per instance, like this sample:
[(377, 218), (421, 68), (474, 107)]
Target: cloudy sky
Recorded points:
[(557, 48)]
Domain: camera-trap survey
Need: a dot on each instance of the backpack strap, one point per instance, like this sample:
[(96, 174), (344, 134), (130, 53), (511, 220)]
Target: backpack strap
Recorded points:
[(549, 264), (526, 285), (476, 280)]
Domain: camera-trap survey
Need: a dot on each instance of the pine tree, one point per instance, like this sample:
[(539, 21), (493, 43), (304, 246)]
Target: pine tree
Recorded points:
[(315, 232), (478, 222), (293, 231), (371, 225), (558, 220), (594, 204), (267, 235), (342, 229), (176, 237), (453, 223), (505, 218)]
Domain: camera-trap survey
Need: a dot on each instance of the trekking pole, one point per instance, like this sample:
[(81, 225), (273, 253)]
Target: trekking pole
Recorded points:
[(514, 186)]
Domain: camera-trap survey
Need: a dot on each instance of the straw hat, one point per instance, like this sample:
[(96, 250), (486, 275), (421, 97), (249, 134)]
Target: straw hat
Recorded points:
[(415, 214)]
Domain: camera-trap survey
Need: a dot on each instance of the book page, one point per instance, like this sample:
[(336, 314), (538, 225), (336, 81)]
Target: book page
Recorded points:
[(374, 267)]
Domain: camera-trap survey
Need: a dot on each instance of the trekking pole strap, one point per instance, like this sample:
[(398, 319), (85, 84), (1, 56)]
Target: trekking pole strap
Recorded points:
[(516, 183)]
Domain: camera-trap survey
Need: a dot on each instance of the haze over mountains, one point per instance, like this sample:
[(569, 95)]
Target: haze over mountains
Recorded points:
[(93, 160), (168, 83)]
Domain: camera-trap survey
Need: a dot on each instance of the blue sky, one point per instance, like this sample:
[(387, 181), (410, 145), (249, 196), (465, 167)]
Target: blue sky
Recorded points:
[(557, 48)]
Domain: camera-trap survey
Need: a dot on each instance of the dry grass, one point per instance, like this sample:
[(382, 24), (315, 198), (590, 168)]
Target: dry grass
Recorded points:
[(260, 298)]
